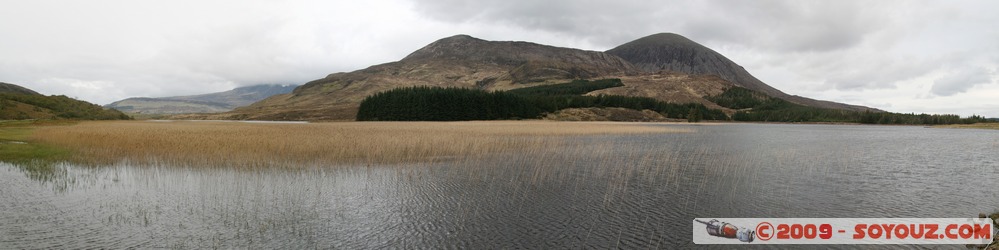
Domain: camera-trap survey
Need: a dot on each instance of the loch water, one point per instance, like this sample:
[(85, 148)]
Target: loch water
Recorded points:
[(600, 191)]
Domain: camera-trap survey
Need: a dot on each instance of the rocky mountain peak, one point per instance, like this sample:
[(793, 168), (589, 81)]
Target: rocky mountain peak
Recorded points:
[(525, 62), (672, 52), (667, 37), (464, 48), (676, 53)]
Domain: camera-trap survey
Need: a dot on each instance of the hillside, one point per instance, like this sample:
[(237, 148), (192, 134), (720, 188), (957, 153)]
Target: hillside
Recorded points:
[(667, 67), (19, 103), (457, 61), (7, 88), (206, 103)]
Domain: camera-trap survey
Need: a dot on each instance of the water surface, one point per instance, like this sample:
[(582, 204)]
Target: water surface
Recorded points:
[(625, 191)]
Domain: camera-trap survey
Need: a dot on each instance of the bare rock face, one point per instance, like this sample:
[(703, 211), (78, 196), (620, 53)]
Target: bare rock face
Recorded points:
[(672, 52)]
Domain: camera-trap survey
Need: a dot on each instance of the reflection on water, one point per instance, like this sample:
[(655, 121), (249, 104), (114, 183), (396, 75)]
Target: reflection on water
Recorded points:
[(625, 191)]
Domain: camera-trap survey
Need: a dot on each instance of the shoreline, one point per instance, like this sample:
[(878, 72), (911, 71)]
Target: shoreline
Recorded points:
[(47, 122)]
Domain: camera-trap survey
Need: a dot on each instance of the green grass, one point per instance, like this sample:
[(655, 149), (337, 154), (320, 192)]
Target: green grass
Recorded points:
[(37, 160), (16, 145)]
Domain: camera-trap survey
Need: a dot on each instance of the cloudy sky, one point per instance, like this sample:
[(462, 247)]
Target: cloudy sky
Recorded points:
[(901, 56)]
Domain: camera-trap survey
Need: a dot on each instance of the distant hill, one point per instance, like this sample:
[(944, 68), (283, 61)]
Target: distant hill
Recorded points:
[(206, 103), (19, 103), (667, 67)]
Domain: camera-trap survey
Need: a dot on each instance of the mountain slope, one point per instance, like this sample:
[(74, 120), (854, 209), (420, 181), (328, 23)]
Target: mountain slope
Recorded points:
[(672, 52), (206, 103), (19, 103), (665, 67), (457, 61), (532, 62)]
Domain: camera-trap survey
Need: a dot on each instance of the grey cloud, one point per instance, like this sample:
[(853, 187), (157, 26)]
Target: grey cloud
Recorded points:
[(118, 49), (784, 26), (875, 73), (772, 25), (960, 81), (603, 22), (844, 45), (102, 82), (855, 69), (249, 53)]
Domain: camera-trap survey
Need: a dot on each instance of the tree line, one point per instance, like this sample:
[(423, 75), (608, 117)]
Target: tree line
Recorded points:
[(755, 106), (424, 103)]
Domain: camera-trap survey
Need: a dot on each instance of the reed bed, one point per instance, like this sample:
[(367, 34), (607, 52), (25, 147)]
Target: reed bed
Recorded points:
[(991, 125), (255, 145)]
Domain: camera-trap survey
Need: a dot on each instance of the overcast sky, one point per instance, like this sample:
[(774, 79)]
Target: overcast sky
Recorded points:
[(900, 56)]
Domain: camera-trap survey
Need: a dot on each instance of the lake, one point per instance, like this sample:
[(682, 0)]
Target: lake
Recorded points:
[(603, 191)]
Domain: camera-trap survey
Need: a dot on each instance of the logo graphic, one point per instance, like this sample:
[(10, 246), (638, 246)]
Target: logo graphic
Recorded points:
[(765, 230), (977, 231), (726, 230)]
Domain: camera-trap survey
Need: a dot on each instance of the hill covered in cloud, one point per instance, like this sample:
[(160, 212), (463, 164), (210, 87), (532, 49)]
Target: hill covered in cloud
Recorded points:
[(205, 103)]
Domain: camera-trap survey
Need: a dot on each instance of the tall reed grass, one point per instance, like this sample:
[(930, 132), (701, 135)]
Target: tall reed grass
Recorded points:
[(255, 145)]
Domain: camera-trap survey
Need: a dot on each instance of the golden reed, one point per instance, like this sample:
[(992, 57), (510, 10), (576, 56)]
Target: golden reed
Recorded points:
[(254, 145)]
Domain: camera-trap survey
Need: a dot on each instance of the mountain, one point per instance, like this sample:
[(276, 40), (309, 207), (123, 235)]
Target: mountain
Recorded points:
[(457, 61), (206, 103), (667, 67), (20, 103), (672, 52)]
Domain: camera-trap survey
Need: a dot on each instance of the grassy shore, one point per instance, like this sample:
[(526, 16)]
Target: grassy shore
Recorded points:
[(17, 146), (992, 125), (239, 144)]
